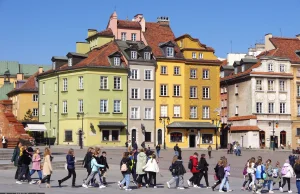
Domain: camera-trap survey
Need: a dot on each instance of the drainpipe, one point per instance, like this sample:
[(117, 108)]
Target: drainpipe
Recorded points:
[(57, 142)]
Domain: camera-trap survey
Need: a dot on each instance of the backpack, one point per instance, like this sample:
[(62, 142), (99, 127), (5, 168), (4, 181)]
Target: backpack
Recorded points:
[(190, 164), (245, 171), (275, 173), (124, 167), (284, 170)]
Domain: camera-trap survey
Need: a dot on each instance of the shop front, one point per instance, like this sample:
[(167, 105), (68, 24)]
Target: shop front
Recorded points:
[(37, 131)]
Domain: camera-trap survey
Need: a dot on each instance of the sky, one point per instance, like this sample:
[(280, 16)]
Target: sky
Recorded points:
[(33, 31)]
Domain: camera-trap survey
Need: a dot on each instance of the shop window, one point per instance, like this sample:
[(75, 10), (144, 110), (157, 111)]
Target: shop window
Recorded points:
[(68, 136), (207, 138), (105, 135), (147, 136), (115, 135), (176, 137)]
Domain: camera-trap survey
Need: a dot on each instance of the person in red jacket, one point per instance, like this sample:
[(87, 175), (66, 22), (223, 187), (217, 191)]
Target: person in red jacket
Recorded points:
[(194, 169)]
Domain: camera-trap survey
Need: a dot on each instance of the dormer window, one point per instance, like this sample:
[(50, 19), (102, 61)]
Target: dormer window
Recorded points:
[(282, 68), (133, 55), (270, 67), (147, 56), (243, 68), (194, 55), (170, 52), (235, 70), (70, 62), (117, 61), (133, 36)]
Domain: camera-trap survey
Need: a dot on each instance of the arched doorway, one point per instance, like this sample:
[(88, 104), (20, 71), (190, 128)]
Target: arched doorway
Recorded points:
[(159, 137), (283, 138), (262, 139), (133, 135)]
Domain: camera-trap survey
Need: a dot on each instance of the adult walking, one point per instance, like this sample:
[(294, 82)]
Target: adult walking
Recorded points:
[(193, 166), (203, 167), (103, 161), (15, 159), (209, 149), (125, 170), (287, 173), (152, 168), (70, 167), (177, 169), (36, 163), (219, 173), (158, 150), (87, 161), (25, 161), (297, 172), (141, 162), (47, 168)]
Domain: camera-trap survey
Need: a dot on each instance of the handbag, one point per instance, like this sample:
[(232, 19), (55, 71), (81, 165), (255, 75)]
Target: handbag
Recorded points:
[(215, 177)]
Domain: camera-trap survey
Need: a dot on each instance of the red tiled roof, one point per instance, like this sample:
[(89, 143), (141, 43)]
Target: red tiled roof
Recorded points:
[(224, 62), (244, 128), (28, 86), (266, 53), (241, 118), (129, 24), (157, 34)]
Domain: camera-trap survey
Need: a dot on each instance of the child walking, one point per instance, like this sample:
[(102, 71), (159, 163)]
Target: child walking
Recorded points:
[(225, 180), (177, 169), (277, 175), (47, 168), (152, 168), (125, 170), (36, 163)]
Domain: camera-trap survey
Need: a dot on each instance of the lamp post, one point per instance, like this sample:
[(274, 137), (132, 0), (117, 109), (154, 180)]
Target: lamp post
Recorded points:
[(217, 123), (270, 123), (80, 133), (50, 108), (163, 120)]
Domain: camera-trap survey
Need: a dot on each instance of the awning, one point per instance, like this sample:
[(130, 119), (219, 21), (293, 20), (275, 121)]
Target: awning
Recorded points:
[(191, 125), (36, 127), (111, 124)]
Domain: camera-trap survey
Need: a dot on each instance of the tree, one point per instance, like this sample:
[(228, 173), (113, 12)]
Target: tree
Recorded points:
[(28, 116)]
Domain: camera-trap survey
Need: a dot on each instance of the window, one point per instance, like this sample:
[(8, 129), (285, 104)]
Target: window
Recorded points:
[(80, 82), (80, 106), (282, 68), (258, 85), (236, 110), (133, 36), (105, 135), (65, 107), (134, 74), (176, 70), (298, 90), (282, 86), (70, 62), (163, 111), (103, 82), (258, 107), (207, 138), (176, 90), (298, 109), (176, 111), (148, 94), (243, 68), (271, 107), (235, 70), (163, 70), (35, 97), (55, 108), (35, 112), (43, 110), (133, 55), (147, 56), (298, 131), (205, 92), (176, 137), (68, 136), (123, 36), (44, 88), (55, 87), (181, 43), (115, 135), (271, 85), (193, 112), (117, 61), (270, 67), (170, 52), (193, 92), (147, 136), (163, 90), (193, 73), (103, 106), (194, 55), (282, 108), (200, 55), (117, 83), (135, 113), (135, 93), (148, 113), (205, 74), (236, 89), (225, 90), (65, 84), (117, 106), (205, 112), (148, 74)]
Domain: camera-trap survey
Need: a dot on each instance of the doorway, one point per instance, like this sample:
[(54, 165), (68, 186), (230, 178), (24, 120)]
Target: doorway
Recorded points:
[(133, 135), (275, 141), (159, 138), (283, 138), (192, 142), (262, 139)]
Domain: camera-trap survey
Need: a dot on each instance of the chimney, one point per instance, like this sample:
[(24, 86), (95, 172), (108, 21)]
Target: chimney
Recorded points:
[(163, 21), (268, 44), (41, 70), (91, 32), (140, 18), (298, 36), (20, 76)]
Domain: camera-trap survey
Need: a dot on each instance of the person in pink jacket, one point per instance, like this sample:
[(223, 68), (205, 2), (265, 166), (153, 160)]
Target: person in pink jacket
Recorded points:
[(36, 163)]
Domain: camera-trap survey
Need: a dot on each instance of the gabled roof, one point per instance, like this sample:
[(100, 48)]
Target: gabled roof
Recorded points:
[(29, 86), (157, 34), (195, 40), (108, 32), (129, 24)]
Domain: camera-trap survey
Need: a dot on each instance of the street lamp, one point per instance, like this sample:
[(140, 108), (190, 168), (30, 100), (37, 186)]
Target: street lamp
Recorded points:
[(163, 120), (80, 131), (217, 123), (50, 108), (270, 123)]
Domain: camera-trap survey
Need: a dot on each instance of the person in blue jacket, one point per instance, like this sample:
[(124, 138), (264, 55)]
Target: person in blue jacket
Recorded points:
[(70, 167), (260, 176)]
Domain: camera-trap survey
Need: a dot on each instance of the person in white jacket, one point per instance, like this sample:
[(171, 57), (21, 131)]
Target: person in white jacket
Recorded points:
[(152, 168), (251, 173), (287, 172)]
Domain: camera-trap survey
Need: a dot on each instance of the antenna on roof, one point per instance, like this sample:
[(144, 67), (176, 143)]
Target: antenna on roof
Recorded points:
[(280, 32), (127, 17), (231, 46), (115, 8)]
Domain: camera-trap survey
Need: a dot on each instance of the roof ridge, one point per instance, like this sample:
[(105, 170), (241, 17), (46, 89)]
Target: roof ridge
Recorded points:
[(287, 38)]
